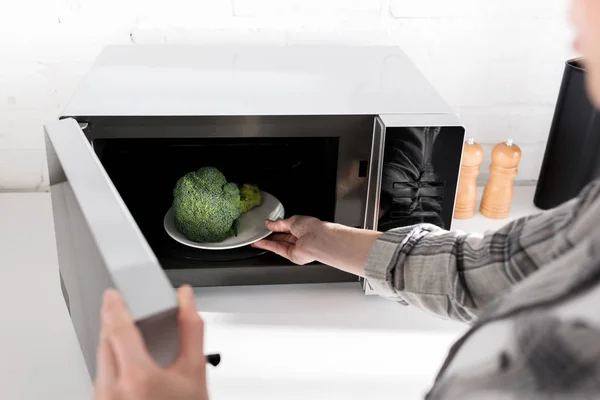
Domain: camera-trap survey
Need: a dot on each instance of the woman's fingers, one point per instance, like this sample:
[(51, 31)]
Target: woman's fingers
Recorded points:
[(106, 364), (282, 225), (191, 329), (281, 248), (126, 340)]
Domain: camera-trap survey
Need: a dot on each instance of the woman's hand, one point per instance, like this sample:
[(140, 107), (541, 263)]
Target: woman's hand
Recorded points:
[(303, 240), (125, 369), (294, 238)]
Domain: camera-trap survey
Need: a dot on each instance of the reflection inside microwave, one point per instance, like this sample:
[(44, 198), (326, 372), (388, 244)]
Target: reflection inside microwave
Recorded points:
[(415, 179)]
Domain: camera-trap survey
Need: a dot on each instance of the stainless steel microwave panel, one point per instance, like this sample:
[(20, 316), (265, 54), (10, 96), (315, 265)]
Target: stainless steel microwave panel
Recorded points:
[(99, 247), (229, 80)]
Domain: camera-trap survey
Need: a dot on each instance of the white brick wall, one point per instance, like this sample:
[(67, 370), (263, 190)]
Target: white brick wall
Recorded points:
[(498, 62)]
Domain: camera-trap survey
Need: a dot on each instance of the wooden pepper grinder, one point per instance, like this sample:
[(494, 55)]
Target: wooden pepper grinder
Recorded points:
[(466, 196), (498, 192)]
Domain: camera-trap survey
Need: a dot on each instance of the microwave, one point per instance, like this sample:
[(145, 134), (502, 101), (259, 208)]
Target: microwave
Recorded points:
[(350, 134)]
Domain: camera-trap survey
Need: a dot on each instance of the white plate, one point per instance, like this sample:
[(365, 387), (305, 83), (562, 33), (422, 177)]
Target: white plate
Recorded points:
[(252, 226)]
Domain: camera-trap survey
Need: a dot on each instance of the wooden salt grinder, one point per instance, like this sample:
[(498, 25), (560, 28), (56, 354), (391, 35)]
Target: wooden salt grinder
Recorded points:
[(498, 192), (466, 196)]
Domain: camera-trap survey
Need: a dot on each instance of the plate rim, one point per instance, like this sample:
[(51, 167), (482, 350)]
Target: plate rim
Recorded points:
[(202, 246)]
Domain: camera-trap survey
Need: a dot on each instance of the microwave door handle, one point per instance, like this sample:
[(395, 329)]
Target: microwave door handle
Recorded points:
[(374, 177), (374, 187)]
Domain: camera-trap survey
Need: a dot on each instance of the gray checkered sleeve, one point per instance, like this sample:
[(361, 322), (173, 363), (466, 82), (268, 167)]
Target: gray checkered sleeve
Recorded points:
[(455, 274)]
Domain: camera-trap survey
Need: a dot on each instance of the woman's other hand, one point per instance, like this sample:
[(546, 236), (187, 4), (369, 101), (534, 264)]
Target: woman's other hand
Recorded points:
[(125, 369)]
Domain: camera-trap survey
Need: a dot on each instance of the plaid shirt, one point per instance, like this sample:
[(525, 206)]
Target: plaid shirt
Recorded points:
[(531, 292)]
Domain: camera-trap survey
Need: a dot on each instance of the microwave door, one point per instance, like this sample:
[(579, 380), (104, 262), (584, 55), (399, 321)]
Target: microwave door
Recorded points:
[(100, 246)]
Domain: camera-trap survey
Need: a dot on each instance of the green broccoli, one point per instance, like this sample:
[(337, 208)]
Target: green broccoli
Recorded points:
[(250, 197), (207, 208)]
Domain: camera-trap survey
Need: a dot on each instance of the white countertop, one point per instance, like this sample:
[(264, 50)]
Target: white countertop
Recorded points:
[(277, 342)]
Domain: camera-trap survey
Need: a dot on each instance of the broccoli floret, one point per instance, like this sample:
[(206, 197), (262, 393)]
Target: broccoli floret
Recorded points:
[(250, 197), (206, 207)]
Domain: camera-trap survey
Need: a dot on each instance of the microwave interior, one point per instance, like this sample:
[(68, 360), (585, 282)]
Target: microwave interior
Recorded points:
[(315, 165), (300, 172)]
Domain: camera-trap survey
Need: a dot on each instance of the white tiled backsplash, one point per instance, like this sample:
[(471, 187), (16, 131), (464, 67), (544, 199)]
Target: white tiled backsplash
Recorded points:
[(498, 62)]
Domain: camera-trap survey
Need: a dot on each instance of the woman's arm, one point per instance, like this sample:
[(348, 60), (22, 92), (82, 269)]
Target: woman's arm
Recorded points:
[(451, 274)]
